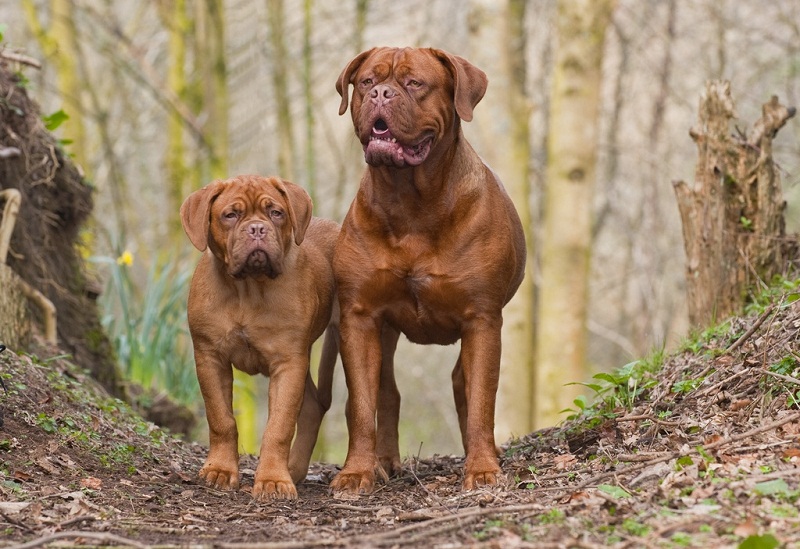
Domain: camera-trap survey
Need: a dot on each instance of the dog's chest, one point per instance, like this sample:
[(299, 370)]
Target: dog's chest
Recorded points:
[(244, 352), (427, 304)]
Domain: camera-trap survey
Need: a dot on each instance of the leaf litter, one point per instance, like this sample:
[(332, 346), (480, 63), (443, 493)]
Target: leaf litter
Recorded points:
[(704, 451)]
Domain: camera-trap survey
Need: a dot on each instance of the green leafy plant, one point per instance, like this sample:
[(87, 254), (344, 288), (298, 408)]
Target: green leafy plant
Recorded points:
[(635, 528), (618, 389), (614, 491), (148, 327), (47, 423), (52, 121), (777, 487), (780, 290), (553, 516), (767, 541), (490, 529)]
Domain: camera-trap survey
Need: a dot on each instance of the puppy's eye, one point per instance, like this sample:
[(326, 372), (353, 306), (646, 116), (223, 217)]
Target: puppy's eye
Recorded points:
[(276, 214), (231, 215), (414, 83), (366, 82)]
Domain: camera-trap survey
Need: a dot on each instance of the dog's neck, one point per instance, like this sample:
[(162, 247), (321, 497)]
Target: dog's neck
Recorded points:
[(446, 165), (444, 183)]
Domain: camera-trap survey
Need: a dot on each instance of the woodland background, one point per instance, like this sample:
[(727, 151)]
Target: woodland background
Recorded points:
[(164, 96)]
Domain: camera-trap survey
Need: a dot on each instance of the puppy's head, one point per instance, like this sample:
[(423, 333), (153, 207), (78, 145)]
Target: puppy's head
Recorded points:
[(248, 222), (408, 101)]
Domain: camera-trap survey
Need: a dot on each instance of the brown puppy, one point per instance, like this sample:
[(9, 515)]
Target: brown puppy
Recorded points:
[(257, 301), (431, 247)]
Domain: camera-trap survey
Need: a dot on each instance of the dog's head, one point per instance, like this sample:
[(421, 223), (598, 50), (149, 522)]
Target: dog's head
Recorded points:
[(248, 222), (408, 101)]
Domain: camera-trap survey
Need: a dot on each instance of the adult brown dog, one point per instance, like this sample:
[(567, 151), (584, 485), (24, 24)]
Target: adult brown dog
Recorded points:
[(257, 301), (431, 247)]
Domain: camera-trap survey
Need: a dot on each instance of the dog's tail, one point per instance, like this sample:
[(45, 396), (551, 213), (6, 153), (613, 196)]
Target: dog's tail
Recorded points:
[(327, 364)]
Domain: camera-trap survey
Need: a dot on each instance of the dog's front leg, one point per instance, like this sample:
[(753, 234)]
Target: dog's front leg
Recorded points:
[(286, 386), (221, 468), (387, 446), (361, 358), (480, 363)]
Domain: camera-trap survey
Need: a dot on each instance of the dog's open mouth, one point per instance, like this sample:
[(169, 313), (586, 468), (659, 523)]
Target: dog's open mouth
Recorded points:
[(382, 148)]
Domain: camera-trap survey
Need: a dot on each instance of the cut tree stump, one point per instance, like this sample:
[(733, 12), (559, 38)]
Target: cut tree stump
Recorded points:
[(15, 322), (732, 217)]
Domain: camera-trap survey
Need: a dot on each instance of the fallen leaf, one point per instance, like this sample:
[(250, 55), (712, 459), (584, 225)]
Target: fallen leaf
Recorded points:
[(771, 487), (746, 528), (22, 475), (385, 512), (92, 483), (790, 453), (614, 491), (45, 464), (739, 404), (564, 460), (767, 541)]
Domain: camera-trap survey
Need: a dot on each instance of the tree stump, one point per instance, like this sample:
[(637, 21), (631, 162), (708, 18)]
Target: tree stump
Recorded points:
[(14, 318), (732, 217)]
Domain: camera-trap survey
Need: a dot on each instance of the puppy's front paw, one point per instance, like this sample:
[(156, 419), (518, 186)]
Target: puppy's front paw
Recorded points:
[(265, 489), (391, 465), (354, 483), (219, 477), (482, 472)]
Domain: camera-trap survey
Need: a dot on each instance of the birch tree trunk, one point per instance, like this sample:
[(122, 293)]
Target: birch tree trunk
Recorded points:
[(210, 58), (174, 17), (569, 194), (280, 81), (732, 217), (58, 43), (502, 122)]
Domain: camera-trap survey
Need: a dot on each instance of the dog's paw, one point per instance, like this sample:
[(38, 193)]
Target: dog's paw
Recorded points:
[(268, 489), (482, 472), (219, 477), (485, 478), (362, 482), (390, 465)]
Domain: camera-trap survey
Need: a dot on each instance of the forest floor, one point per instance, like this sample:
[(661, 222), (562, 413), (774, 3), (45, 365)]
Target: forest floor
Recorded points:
[(704, 451)]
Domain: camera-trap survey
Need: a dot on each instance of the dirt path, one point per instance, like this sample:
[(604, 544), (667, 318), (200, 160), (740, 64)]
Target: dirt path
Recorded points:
[(706, 456)]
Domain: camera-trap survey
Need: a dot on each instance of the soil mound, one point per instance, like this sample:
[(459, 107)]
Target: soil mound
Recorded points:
[(701, 451)]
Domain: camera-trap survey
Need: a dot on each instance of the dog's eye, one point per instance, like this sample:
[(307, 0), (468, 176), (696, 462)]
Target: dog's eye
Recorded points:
[(414, 83), (366, 82), (231, 215), (275, 214)]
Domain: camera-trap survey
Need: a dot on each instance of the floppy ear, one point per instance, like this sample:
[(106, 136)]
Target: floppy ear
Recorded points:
[(346, 78), (196, 211), (469, 82), (299, 208)]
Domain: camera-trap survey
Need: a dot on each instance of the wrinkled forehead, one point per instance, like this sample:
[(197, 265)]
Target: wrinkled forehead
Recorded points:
[(404, 62), (248, 193)]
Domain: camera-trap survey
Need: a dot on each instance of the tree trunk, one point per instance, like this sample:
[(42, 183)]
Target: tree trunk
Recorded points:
[(502, 123), (733, 226), (569, 194), (174, 17), (59, 44), (209, 57), (280, 81)]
